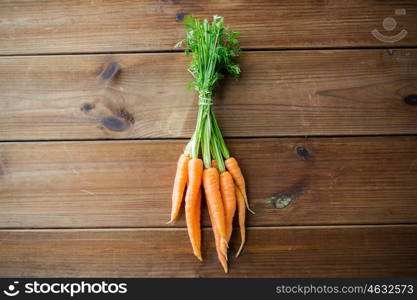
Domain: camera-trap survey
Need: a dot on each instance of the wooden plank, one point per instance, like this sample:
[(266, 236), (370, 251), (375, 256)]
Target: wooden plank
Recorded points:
[(358, 251), (53, 26), (280, 93), (128, 183)]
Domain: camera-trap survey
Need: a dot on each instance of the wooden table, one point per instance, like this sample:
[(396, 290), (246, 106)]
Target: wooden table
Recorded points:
[(94, 113)]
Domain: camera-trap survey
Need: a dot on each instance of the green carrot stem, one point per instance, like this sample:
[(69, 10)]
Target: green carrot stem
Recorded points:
[(196, 138), (205, 145)]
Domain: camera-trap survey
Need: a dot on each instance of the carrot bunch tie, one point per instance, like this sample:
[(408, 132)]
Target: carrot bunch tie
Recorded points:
[(213, 49)]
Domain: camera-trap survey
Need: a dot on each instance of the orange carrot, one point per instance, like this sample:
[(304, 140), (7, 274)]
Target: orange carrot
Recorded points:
[(180, 183), (221, 257), (241, 208), (234, 169), (193, 203), (227, 188), (214, 164), (215, 206)]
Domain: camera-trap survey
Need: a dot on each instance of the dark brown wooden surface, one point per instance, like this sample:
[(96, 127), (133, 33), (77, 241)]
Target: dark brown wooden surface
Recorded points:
[(53, 26), (128, 184), (342, 251), (280, 93)]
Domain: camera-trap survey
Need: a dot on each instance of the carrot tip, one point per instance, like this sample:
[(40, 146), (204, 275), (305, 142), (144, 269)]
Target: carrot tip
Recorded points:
[(247, 205), (222, 250), (169, 222), (240, 249)]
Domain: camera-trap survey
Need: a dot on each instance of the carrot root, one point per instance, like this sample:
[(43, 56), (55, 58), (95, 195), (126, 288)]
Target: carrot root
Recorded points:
[(241, 207), (220, 254), (247, 204), (234, 169), (211, 182), (222, 258), (214, 164), (227, 187)]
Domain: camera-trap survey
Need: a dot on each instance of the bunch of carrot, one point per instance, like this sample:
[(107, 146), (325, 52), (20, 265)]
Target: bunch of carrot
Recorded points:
[(213, 49)]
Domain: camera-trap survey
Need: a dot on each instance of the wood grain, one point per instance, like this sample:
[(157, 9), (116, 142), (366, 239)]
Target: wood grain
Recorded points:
[(348, 251), (53, 26), (145, 96), (128, 184)]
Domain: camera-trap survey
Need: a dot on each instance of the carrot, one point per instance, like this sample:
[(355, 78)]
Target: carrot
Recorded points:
[(193, 203), (221, 257), (241, 208), (234, 169), (227, 188), (215, 207), (180, 183)]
